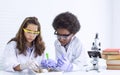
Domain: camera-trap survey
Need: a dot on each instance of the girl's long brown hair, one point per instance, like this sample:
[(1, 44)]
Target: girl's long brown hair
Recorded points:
[(21, 41)]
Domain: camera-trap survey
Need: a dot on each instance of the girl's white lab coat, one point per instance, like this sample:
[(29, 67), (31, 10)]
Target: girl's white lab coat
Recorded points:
[(75, 53), (12, 58)]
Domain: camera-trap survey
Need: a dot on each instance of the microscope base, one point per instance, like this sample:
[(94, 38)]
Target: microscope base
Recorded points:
[(92, 68)]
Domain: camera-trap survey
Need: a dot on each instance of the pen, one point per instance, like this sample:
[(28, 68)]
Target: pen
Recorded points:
[(47, 56)]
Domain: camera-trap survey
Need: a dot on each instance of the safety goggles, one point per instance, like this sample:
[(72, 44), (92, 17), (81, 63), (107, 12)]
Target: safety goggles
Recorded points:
[(63, 36), (31, 32)]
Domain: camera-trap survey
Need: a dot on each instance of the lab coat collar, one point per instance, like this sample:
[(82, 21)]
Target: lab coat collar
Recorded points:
[(30, 48)]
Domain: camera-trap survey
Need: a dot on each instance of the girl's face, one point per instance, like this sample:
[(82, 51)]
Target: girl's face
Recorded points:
[(30, 32), (64, 36)]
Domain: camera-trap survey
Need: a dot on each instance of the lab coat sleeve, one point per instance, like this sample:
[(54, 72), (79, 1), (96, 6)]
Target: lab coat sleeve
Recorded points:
[(41, 59), (79, 57), (10, 57)]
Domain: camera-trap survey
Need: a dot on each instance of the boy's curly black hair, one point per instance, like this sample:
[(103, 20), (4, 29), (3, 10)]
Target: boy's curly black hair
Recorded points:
[(67, 21)]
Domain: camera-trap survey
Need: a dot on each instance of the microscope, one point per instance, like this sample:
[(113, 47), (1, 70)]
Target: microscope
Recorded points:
[(95, 54)]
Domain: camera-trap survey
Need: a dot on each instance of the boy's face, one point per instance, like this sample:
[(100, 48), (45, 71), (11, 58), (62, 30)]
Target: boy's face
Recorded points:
[(64, 36)]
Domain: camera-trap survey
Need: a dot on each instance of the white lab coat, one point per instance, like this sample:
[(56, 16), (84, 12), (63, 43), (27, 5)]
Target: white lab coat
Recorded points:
[(75, 53), (12, 58)]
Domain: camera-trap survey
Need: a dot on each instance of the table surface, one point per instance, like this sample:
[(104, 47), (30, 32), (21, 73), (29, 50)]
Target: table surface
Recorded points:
[(93, 72), (102, 69)]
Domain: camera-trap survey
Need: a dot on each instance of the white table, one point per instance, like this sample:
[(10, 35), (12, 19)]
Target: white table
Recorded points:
[(103, 72), (102, 69), (106, 72)]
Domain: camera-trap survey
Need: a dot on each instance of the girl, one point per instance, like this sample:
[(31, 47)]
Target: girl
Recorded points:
[(25, 50)]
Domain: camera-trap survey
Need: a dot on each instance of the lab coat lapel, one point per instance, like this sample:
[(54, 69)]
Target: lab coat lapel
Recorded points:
[(32, 54), (60, 48), (63, 50), (70, 47)]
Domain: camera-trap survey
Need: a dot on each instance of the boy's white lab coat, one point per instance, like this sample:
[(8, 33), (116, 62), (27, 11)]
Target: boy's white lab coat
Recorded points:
[(12, 58), (75, 53)]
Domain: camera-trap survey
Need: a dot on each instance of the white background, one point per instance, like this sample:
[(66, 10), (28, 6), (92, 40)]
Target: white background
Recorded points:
[(95, 16)]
